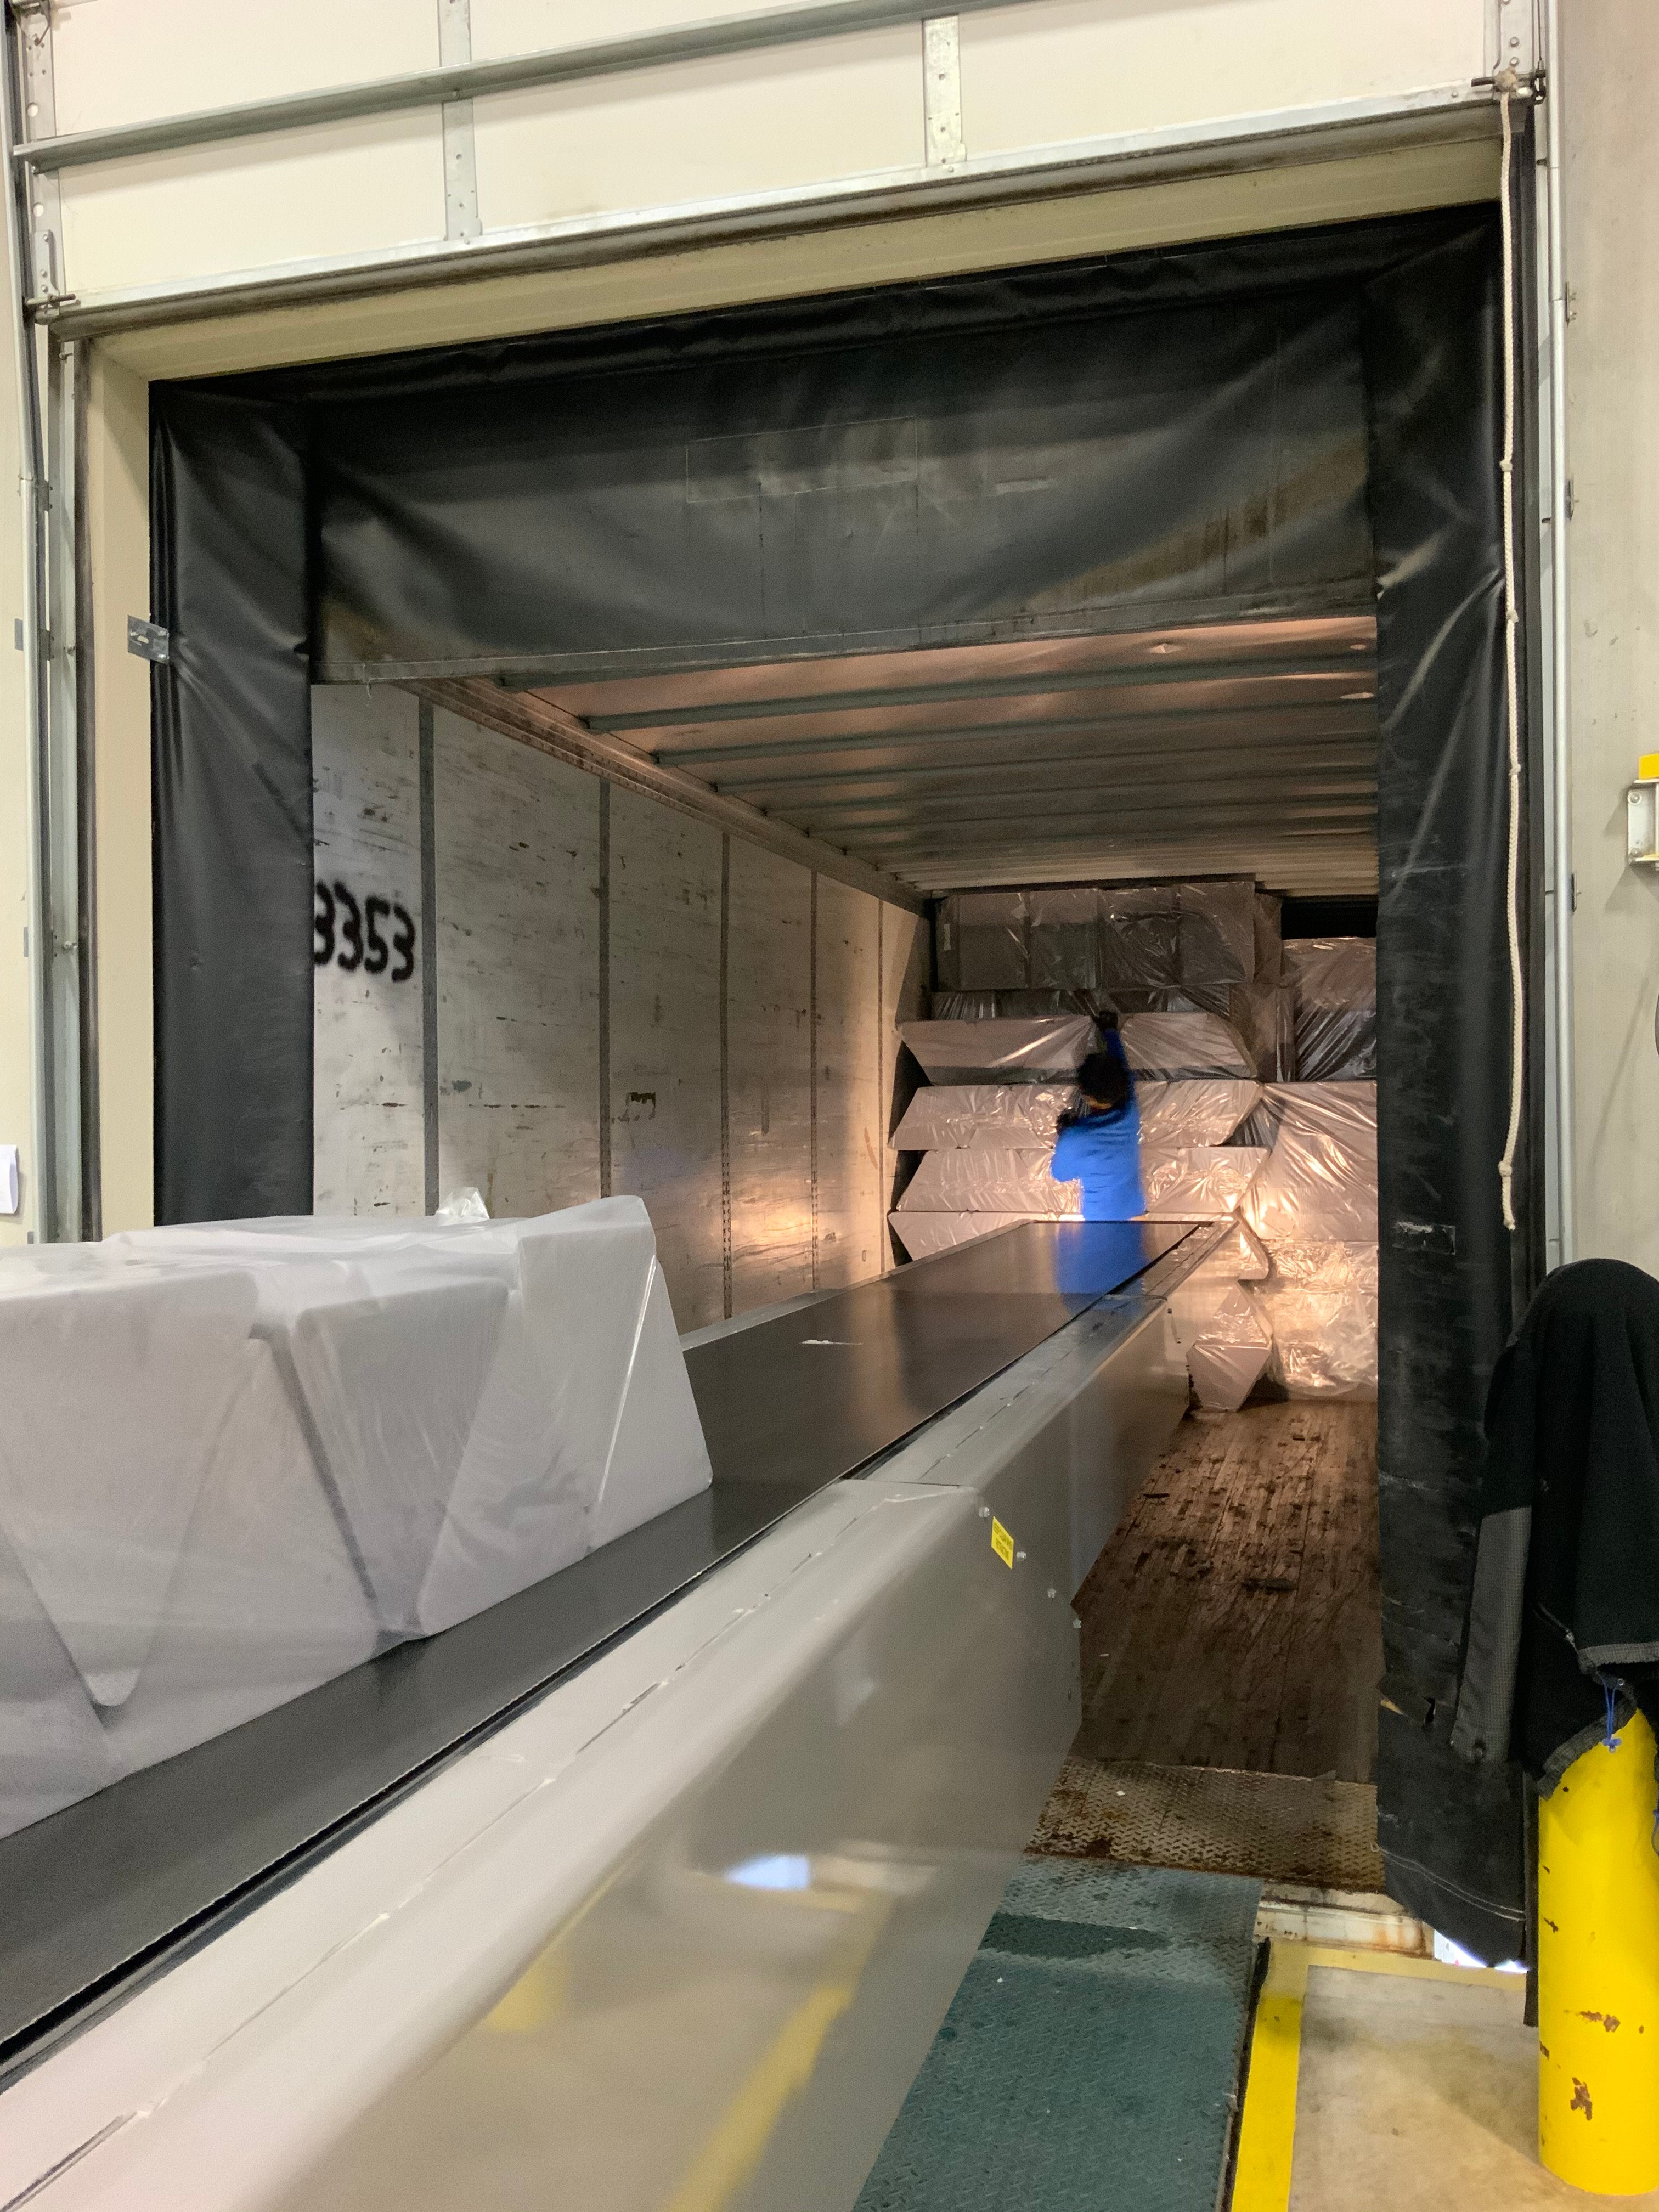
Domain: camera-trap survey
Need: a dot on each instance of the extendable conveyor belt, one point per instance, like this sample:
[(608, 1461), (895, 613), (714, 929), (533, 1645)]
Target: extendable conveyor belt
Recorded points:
[(114, 1886)]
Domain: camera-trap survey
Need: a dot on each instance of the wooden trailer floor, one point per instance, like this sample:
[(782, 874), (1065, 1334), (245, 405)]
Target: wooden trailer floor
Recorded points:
[(1231, 1652)]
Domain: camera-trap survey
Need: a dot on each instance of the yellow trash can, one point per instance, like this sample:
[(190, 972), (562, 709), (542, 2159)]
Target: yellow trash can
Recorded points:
[(1598, 1970)]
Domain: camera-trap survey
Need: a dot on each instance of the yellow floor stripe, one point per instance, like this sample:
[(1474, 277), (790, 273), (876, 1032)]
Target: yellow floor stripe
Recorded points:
[(1354, 1960), (1267, 2135)]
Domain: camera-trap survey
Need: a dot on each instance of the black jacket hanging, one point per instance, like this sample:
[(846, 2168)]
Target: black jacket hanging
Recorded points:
[(1563, 1637)]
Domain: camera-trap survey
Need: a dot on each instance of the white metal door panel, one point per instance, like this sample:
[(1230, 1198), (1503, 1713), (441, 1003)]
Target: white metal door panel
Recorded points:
[(119, 61), (341, 188), (1069, 70), (694, 131), (527, 27), (701, 137)]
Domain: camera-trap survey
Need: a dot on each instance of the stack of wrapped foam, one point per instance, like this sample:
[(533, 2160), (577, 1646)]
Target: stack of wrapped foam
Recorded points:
[(239, 1460), (1206, 945), (986, 1143), (1332, 986), (1291, 1297), (1313, 1207), (1221, 1328)]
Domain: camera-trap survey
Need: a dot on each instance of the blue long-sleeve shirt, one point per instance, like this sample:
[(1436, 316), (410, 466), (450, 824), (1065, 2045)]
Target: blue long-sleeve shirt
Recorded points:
[(1102, 1152)]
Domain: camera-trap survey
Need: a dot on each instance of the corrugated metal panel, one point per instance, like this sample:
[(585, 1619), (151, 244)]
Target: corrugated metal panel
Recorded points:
[(1236, 746)]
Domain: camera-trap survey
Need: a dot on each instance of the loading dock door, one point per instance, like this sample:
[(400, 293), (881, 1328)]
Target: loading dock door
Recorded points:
[(1297, 425)]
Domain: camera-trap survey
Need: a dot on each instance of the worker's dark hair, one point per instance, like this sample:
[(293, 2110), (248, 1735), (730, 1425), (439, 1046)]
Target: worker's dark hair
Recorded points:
[(1105, 1083)]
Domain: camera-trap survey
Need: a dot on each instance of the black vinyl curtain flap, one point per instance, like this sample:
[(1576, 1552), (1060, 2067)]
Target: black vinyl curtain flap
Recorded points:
[(1301, 422)]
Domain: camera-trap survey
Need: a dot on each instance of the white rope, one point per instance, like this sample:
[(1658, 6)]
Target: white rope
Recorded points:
[(1511, 657)]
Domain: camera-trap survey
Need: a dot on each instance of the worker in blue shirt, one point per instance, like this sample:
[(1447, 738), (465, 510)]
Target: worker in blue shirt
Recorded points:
[(1099, 1140)]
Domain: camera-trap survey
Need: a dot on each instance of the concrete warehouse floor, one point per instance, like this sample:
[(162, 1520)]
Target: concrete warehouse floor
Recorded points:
[(1392, 2085)]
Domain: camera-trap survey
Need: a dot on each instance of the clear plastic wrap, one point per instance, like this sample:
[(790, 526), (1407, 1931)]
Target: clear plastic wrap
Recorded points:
[(981, 941), (1124, 1000), (1240, 1257), (1002, 1051), (115, 1381), (52, 1748), (1320, 1183), (983, 1117), (1140, 937), (1321, 1304), (1194, 935), (1226, 1339), (1259, 1127), (1218, 931), (1267, 911), (1195, 1182), (1200, 1111), (265, 1603), (1264, 1014), (922, 1235), (1333, 981), (239, 1458), (1025, 1116), (1013, 1006), (1198, 1181), (1011, 1182), (1226, 1368), (1066, 938), (1179, 1046)]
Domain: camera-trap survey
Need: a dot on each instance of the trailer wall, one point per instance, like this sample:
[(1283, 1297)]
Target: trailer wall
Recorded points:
[(618, 998)]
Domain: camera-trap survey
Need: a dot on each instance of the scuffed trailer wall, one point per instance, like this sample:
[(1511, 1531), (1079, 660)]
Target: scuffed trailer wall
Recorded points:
[(516, 840), (369, 1113), (579, 960)]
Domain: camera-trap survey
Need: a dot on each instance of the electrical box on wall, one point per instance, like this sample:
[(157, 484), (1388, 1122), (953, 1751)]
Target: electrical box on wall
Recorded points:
[(1642, 814)]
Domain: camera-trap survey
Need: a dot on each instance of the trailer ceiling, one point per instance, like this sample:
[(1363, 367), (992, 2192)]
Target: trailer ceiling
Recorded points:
[(1241, 746)]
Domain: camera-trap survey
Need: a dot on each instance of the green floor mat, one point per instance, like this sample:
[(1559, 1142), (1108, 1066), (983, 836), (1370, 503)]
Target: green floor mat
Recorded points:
[(1091, 2058)]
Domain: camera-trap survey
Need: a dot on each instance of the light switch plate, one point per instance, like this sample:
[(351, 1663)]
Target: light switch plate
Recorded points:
[(7, 1178)]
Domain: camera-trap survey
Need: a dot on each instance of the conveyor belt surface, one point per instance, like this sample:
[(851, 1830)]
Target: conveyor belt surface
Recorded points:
[(109, 1886)]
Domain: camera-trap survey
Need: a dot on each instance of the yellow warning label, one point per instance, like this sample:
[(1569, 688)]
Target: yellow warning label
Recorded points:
[(1002, 1544)]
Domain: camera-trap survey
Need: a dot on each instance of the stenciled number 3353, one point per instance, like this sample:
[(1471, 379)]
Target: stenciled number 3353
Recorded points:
[(349, 934)]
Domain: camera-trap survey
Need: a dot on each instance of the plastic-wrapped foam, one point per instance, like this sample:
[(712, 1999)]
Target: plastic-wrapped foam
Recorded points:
[(1025, 1116), (1321, 1304), (1318, 1185), (1198, 1181), (1177, 1047), (922, 1235), (1043, 1051), (1333, 982), (239, 1458)]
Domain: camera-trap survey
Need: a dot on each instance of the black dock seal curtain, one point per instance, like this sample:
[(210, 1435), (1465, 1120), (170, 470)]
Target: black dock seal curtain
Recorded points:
[(1302, 423)]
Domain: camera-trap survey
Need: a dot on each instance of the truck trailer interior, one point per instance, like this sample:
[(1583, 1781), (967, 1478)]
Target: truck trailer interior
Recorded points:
[(573, 754)]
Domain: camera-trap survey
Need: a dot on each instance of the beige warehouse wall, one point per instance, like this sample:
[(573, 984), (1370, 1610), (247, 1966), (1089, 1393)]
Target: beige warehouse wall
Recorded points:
[(533, 865), (1611, 187)]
